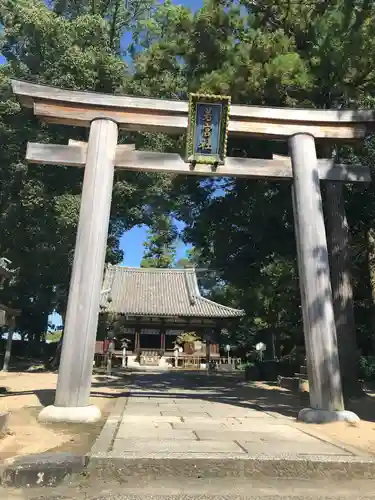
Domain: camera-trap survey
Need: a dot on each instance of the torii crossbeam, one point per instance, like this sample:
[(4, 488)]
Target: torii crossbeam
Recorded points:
[(105, 115)]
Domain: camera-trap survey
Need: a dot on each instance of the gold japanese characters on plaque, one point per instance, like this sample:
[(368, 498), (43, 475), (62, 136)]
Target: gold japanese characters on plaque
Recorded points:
[(207, 129)]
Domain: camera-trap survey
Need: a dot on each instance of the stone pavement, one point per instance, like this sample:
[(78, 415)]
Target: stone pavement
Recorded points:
[(206, 423), (181, 422)]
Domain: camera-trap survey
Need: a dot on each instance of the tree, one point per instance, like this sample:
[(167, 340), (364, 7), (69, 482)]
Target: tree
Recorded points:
[(191, 260), (271, 53), (39, 205), (120, 15), (160, 248)]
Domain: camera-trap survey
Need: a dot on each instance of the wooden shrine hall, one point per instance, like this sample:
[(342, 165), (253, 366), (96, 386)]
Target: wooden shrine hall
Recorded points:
[(155, 306)]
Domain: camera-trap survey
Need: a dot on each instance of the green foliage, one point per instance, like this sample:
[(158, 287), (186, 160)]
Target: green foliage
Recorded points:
[(39, 205), (160, 247), (119, 15), (314, 54), (187, 338), (367, 368), (271, 52), (54, 336)]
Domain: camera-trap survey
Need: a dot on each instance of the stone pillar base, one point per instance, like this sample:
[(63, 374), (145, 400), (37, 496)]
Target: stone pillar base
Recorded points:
[(70, 415), (316, 416)]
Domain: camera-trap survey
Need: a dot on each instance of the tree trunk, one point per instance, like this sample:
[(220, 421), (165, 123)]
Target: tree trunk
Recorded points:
[(8, 348), (55, 360), (338, 246)]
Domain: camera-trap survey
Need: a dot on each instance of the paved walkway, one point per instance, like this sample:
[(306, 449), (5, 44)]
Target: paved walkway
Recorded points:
[(198, 414)]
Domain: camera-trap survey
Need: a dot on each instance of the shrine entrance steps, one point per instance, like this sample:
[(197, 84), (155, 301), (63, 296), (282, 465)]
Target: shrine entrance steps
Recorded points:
[(183, 424)]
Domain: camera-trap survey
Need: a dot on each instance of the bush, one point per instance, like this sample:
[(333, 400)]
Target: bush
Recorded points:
[(269, 370), (367, 368), (251, 371), (288, 367)]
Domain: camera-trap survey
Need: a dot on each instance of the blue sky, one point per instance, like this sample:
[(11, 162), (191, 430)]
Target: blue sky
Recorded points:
[(132, 245)]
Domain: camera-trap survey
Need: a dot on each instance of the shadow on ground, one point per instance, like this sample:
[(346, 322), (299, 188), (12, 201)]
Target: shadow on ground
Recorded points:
[(223, 388), (21, 364), (47, 396)]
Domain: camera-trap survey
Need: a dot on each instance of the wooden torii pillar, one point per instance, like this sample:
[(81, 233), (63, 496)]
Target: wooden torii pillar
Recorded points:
[(104, 115)]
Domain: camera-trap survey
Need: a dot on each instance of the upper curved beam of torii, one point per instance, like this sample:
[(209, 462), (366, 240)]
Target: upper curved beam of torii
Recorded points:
[(79, 108)]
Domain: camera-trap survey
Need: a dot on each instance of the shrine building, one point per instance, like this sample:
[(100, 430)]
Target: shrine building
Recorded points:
[(155, 306)]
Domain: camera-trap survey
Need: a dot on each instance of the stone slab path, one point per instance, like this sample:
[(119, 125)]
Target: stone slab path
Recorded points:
[(192, 414)]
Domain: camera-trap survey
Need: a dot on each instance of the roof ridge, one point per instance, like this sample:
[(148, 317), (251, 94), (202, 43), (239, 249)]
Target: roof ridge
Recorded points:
[(221, 305), (191, 293)]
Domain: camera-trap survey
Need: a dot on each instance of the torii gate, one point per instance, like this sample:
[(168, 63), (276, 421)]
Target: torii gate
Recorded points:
[(105, 115)]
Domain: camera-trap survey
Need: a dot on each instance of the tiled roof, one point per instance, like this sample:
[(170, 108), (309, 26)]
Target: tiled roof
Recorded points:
[(158, 292)]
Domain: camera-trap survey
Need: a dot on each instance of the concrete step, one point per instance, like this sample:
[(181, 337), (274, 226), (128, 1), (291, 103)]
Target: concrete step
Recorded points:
[(192, 489), (123, 467)]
